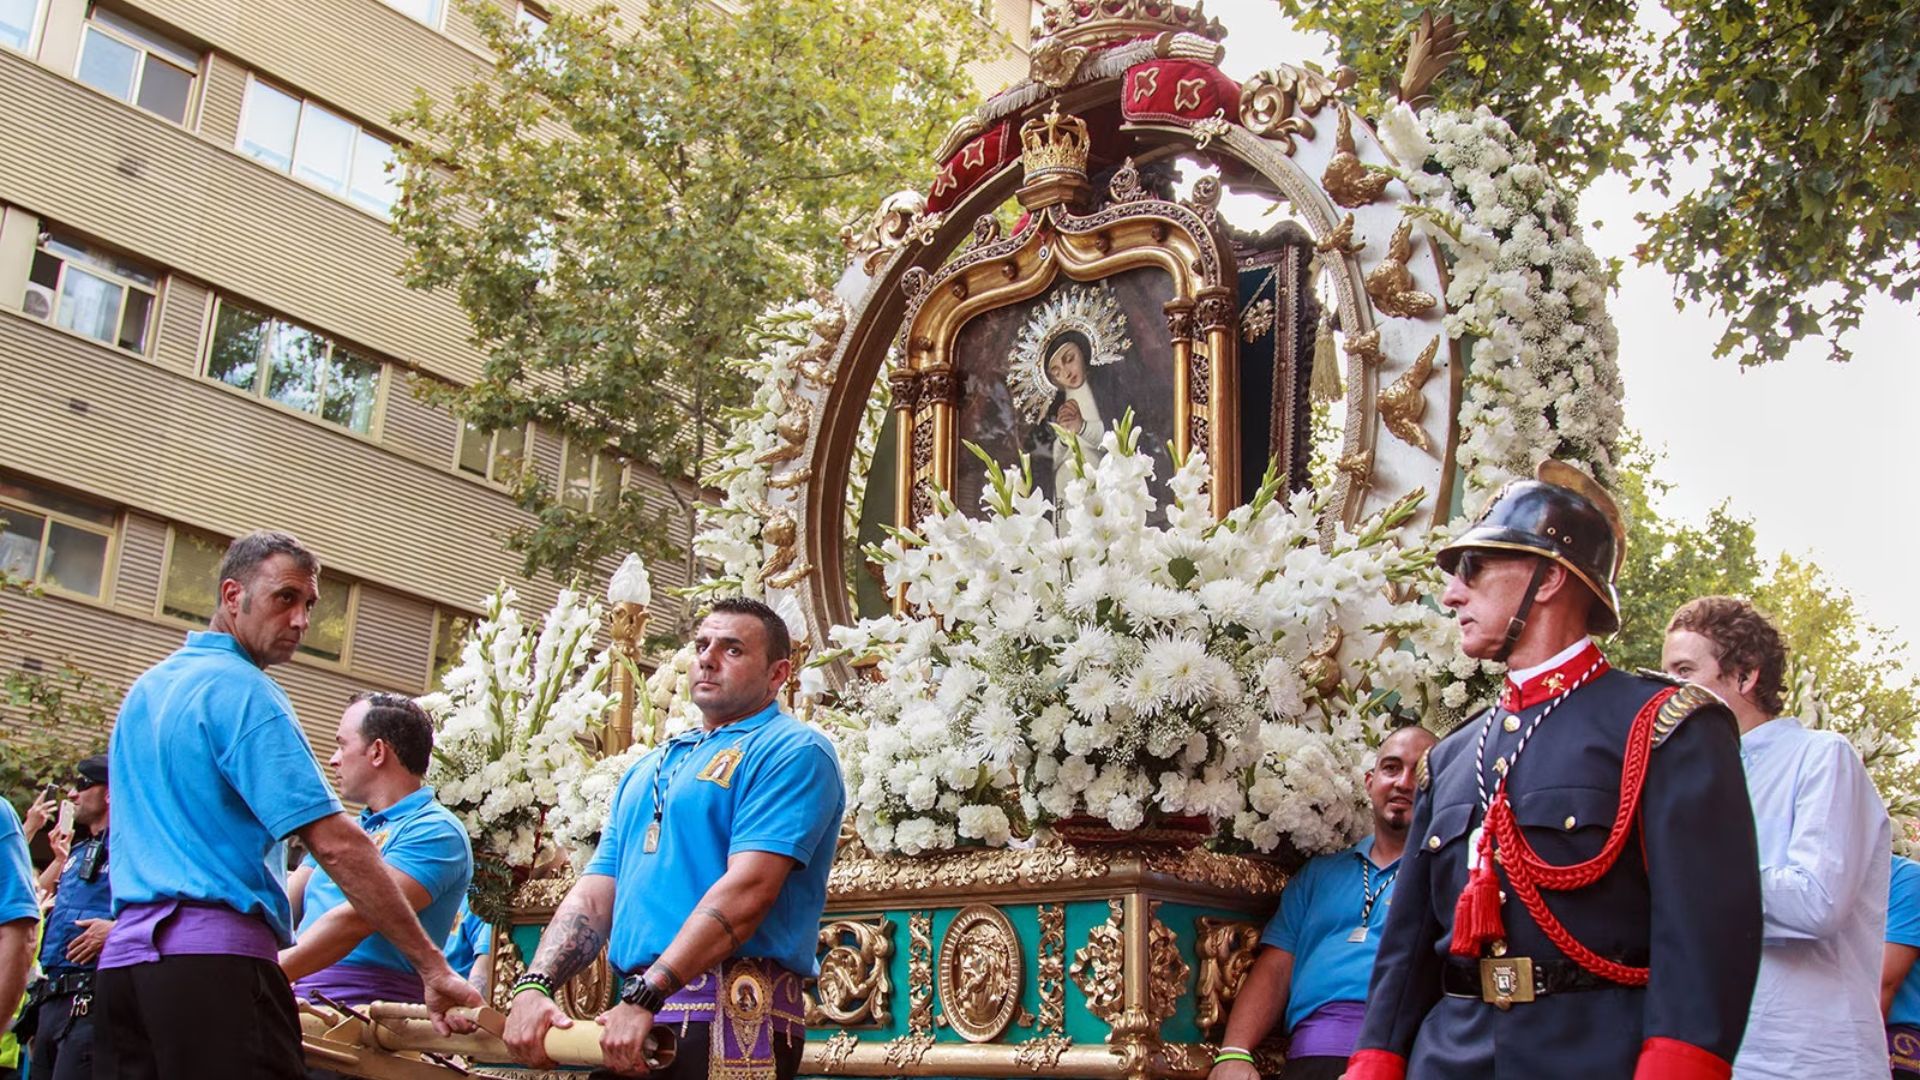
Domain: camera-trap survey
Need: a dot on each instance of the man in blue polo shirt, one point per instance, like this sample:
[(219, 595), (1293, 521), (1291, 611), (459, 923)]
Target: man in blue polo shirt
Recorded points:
[(470, 943), (385, 743), (1317, 952), (710, 877), (19, 913), (210, 774), (1899, 979)]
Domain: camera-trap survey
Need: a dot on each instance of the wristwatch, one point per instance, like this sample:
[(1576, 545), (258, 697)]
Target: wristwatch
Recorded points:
[(637, 991)]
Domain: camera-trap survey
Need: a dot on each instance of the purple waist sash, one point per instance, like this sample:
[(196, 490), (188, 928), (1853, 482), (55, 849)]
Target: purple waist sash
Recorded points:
[(361, 984), (143, 933), (1332, 1030), (747, 1001)]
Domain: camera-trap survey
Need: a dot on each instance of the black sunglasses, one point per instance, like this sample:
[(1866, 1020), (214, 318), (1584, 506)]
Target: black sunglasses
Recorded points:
[(1468, 564), (81, 783)]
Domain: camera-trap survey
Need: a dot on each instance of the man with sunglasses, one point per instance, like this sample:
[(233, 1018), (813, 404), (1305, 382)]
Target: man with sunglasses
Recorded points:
[(1580, 896), (76, 929), (385, 744)]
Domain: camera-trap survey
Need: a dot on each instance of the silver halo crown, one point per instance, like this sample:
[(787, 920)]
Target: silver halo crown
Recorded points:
[(1091, 310)]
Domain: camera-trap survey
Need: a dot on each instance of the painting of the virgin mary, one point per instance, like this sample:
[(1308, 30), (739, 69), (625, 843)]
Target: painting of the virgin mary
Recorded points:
[(1065, 367)]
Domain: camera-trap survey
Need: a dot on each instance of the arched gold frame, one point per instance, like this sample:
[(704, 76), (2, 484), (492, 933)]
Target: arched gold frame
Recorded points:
[(1134, 231)]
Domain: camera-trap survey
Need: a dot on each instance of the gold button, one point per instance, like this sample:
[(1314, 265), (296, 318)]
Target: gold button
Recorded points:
[(1500, 765), (1433, 843), (1511, 723), (1499, 948), (1569, 821)]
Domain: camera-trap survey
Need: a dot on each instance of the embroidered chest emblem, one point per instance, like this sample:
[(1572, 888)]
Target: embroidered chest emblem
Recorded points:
[(379, 839), (720, 768)]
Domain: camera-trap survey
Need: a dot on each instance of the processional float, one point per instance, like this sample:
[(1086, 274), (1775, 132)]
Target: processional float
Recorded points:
[(1075, 218)]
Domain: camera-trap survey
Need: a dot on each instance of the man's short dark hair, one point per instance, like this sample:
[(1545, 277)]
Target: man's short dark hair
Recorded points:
[(1744, 640), (245, 555), (402, 724), (779, 644)]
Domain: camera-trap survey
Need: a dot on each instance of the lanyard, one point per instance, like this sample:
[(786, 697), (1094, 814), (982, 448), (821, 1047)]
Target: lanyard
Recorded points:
[(1507, 763), (1368, 892), (661, 787)]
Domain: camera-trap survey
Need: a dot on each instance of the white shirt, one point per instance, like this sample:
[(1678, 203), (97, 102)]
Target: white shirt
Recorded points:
[(1825, 848)]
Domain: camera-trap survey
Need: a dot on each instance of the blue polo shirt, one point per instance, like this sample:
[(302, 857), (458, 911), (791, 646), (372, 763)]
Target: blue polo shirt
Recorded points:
[(16, 871), (423, 840), (1319, 911), (763, 783), (471, 939), (1903, 928), (76, 899), (210, 772)]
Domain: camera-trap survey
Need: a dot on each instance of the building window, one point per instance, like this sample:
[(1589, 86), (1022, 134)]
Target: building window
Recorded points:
[(18, 20), (497, 456), (192, 592), (426, 11), (532, 20), (289, 364), (318, 146), (57, 542), (450, 630), (136, 65), (92, 292), (589, 480)]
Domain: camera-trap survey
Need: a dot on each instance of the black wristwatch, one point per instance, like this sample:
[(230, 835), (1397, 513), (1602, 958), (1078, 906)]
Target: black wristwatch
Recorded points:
[(637, 991)]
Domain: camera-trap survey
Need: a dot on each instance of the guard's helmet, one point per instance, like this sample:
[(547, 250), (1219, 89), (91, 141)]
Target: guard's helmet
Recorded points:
[(1564, 515)]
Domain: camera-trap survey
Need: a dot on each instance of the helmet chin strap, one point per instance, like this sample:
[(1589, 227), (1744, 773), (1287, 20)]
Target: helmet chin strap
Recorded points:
[(1518, 624)]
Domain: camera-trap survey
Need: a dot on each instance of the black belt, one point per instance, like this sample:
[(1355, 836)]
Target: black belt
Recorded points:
[(1463, 978), (72, 982)]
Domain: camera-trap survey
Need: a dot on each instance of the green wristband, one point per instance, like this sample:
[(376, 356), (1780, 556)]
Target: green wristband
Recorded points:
[(532, 982), (1233, 1055)]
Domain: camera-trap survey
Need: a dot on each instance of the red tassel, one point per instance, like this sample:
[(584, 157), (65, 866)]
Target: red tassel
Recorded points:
[(1476, 918)]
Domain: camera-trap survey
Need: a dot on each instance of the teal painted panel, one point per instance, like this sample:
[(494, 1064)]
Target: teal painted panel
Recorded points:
[(526, 936)]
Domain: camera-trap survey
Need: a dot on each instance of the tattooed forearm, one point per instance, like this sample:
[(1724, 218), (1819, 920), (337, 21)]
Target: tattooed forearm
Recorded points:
[(570, 943), (720, 917), (664, 978)]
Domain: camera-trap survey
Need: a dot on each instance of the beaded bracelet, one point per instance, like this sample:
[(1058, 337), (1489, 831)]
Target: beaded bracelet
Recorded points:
[(533, 980)]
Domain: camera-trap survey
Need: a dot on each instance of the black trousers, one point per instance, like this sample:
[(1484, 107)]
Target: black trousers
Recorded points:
[(693, 1057), (62, 1042), (1314, 1068), (196, 1018)]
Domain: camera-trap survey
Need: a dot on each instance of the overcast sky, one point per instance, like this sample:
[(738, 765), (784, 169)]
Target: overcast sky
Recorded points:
[(1808, 449)]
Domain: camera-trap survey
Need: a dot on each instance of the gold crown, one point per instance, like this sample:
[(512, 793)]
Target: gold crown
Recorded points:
[(1054, 145), (1092, 22)]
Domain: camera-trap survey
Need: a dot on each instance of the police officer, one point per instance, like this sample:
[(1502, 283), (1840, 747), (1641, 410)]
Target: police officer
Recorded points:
[(1580, 896), (76, 928)]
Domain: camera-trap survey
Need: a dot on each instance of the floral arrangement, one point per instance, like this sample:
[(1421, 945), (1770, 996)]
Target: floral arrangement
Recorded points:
[(1524, 286), (1081, 663), (515, 719)]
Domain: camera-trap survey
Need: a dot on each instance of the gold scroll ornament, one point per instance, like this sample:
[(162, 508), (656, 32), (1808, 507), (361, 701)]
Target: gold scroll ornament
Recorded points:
[(1226, 949), (853, 989)]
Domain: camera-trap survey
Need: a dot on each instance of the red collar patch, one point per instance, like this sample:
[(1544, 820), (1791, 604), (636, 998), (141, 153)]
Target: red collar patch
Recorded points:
[(1551, 684)]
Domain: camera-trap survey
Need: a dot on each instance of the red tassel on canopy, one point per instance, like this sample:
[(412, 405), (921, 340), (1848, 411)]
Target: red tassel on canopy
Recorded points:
[(1476, 918)]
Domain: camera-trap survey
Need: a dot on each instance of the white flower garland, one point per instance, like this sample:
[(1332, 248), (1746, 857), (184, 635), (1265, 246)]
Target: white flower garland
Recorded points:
[(1544, 379)]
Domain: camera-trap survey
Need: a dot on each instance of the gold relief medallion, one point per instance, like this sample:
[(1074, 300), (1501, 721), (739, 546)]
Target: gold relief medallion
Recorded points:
[(981, 973)]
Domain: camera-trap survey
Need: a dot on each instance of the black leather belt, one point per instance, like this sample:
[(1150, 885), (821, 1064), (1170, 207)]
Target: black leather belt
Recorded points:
[(72, 982), (1465, 978)]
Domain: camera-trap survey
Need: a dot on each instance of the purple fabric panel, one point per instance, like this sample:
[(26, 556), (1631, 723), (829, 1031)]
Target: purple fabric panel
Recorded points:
[(146, 932), (1332, 1030), (361, 984)]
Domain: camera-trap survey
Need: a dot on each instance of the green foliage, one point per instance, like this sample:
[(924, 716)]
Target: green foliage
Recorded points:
[(615, 208), (1785, 130), (53, 719), (1844, 672)]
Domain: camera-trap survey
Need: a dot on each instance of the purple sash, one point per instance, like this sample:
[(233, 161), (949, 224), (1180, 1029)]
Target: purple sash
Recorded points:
[(361, 984), (144, 933), (1332, 1030), (747, 1001)]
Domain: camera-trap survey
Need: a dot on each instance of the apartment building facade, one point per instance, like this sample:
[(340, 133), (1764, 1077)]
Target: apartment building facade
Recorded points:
[(203, 332)]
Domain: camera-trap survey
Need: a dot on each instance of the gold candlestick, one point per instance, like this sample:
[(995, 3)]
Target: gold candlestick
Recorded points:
[(629, 626)]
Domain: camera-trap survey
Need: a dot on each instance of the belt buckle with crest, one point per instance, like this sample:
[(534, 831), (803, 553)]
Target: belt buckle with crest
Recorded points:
[(1506, 980)]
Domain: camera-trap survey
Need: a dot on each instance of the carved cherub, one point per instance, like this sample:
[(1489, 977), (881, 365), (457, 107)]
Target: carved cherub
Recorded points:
[(1351, 183), (1402, 403), (1391, 283)]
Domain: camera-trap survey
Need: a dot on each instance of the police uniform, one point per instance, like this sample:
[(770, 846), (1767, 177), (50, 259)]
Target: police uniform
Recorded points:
[(1614, 927)]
